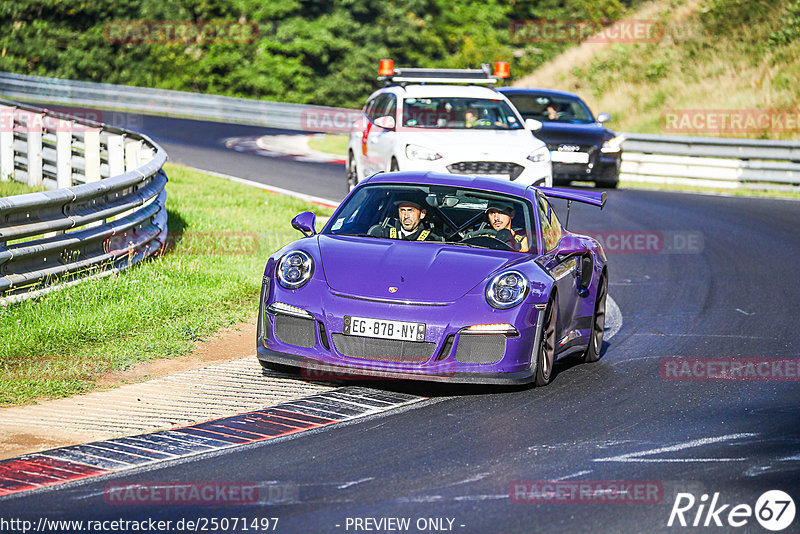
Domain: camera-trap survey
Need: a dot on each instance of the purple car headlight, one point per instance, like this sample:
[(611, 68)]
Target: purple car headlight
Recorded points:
[(507, 289), (295, 269)]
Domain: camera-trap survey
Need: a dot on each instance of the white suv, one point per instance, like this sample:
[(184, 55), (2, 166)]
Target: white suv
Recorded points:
[(422, 120)]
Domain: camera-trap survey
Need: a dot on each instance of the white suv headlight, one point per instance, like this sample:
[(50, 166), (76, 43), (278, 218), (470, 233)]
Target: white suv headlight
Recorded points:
[(295, 269), (613, 145), (539, 155), (507, 289), (420, 152)]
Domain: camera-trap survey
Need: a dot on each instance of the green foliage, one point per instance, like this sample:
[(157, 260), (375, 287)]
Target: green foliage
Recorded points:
[(306, 51)]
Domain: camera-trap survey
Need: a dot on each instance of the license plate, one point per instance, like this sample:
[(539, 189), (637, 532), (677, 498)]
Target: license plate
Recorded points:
[(569, 157), (382, 328)]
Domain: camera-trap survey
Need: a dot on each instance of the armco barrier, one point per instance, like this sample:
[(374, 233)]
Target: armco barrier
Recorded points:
[(716, 162), (710, 161), (105, 183)]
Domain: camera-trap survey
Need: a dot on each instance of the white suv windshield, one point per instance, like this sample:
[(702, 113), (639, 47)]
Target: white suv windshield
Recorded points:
[(459, 113)]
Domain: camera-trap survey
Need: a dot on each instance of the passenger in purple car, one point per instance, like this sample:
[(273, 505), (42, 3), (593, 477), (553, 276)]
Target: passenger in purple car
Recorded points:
[(500, 214), (409, 226)]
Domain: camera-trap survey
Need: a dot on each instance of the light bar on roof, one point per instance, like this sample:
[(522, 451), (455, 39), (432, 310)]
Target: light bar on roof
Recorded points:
[(482, 76)]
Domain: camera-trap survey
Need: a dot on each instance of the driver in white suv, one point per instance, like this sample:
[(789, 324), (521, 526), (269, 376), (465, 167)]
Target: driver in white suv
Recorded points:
[(450, 121)]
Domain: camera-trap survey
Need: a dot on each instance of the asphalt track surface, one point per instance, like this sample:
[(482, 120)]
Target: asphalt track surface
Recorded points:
[(731, 295)]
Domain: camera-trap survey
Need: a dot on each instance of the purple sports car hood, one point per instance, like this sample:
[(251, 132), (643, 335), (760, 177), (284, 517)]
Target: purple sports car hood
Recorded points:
[(421, 272)]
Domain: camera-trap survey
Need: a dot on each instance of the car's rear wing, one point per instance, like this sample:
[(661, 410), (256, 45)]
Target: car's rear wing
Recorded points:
[(587, 197)]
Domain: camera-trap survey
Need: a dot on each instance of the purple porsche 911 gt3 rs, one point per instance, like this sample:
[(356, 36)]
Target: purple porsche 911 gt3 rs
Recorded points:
[(436, 277)]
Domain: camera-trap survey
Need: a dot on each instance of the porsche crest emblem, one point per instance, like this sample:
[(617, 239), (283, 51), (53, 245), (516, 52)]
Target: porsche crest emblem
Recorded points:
[(392, 289)]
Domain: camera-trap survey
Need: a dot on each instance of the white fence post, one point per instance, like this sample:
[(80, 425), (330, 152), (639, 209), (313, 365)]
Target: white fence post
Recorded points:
[(116, 155), (64, 156), (6, 143), (132, 149), (144, 156), (34, 127), (91, 142)]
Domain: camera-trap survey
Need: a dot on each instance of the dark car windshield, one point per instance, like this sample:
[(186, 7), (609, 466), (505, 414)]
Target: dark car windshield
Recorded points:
[(551, 108), (443, 214), (459, 113)]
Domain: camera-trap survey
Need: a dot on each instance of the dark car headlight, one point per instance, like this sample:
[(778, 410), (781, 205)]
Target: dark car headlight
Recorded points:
[(507, 289), (295, 269)]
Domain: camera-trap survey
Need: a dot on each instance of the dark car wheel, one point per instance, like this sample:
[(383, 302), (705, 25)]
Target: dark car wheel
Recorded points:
[(592, 353), (608, 178), (545, 352), (352, 172)]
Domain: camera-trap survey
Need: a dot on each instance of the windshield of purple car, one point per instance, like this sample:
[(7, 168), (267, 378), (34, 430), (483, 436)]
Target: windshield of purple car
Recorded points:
[(450, 215), (459, 113), (549, 108)]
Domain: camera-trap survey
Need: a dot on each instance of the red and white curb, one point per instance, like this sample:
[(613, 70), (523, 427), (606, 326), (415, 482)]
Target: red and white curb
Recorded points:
[(293, 147), (76, 462)]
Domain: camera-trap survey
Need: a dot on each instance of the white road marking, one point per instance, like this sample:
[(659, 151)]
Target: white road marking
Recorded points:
[(744, 312), (637, 456), (573, 475), (732, 336), (271, 188), (613, 318), (354, 482), (482, 497)]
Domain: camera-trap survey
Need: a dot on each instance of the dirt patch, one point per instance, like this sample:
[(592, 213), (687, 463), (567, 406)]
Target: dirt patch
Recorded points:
[(236, 341)]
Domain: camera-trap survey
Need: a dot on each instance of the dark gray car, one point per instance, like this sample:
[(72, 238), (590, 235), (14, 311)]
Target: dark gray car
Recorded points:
[(581, 148)]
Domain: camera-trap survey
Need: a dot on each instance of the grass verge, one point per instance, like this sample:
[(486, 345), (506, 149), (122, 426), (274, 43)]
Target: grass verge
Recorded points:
[(58, 345), (10, 187), (335, 144)]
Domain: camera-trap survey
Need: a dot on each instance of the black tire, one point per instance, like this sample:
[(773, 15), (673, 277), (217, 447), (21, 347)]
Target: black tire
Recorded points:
[(352, 172), (279, 367), (592, 353), (393, 167), (546, 350), (609, 178)]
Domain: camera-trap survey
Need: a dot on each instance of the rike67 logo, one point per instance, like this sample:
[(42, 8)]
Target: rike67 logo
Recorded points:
[(774, 510)]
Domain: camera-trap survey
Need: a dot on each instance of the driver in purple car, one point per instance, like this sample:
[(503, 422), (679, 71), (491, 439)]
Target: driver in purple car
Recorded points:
[(411, 212)]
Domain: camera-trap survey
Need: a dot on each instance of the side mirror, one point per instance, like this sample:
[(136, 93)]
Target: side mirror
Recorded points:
[(385, 122), (603, 117), (305, 222), (571, 245), (533, 125)]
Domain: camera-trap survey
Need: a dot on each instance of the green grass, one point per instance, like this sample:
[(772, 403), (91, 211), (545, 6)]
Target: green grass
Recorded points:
[(10, 187), (335, 144), (58, 345), (715, 55)]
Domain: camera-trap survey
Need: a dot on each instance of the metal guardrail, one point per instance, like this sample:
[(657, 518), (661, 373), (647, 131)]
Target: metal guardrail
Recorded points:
[(106, 213), (745, 163), (715, 162), (171, 103)]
